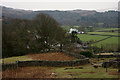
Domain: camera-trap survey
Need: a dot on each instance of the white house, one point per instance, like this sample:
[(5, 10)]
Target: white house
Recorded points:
[(81, 32), (73, 30), (76, 31)]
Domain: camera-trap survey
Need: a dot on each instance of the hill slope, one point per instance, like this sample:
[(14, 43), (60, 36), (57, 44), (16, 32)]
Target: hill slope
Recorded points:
[(72, 17)]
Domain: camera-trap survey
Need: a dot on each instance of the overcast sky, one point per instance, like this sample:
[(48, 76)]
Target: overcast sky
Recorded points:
[(99, 5)]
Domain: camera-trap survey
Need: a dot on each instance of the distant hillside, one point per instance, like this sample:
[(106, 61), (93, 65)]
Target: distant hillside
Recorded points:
[(83, 18)]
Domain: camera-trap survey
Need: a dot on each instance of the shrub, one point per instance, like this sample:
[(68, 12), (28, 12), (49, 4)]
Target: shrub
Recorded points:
[(86, 53)]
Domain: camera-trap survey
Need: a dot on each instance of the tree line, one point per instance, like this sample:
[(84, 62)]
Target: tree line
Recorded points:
[(82, 18)]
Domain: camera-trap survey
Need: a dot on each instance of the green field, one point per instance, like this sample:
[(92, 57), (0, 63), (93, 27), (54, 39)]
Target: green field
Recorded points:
[(88, 71), (14, 59), (86, 37), (107, 29), (111, 41), (103, 33)]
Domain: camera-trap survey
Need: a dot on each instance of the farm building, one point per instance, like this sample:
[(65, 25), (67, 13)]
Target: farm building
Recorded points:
[(71, 30)]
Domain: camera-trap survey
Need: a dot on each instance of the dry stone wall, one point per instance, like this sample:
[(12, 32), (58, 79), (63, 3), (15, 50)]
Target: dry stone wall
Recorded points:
[(79, 61)]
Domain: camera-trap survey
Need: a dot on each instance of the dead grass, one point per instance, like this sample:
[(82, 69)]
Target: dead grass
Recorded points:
[(51, 56), (28, 72), (36, 72), (113, 73)]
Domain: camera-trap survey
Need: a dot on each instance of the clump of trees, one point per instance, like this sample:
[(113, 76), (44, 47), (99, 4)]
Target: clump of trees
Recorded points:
[(86, 53), (14, 38), (20, 37), (74, 37)]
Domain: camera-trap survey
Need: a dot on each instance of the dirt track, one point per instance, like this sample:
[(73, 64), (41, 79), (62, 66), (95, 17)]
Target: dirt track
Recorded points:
[(51, 57)]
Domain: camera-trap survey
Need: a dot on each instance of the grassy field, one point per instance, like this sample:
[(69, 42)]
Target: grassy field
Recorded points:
[(43, 56), (88, 71), (107, 29), (109, 41), (86, 37), (103, 33), (14, 59), (52, 56)]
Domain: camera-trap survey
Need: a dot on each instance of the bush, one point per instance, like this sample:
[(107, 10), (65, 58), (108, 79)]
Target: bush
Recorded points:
[(86, 53)]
